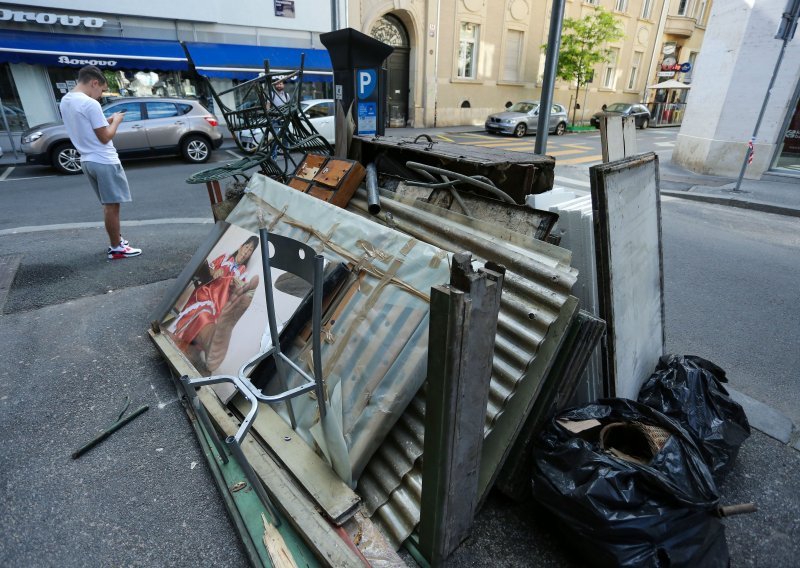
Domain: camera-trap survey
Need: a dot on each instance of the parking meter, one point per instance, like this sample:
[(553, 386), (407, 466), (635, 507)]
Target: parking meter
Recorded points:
[(359, 77)]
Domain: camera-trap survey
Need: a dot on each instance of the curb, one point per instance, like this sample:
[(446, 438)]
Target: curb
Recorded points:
[(734, 202)]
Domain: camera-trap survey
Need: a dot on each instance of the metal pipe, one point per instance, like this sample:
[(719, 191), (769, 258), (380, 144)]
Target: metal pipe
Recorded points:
[(373, 198), (549, 78), (113, 428)]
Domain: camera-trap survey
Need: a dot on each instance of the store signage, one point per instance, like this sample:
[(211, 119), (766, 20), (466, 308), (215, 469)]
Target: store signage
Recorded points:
[(682, 67), (686, 67), (666, 73), (64, 60), (48, 19)]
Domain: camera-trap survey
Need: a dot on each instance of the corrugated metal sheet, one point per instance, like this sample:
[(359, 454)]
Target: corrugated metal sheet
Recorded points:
[(536, 295)]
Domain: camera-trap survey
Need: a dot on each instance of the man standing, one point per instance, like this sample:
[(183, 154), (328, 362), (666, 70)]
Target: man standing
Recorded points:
[(91, 134)]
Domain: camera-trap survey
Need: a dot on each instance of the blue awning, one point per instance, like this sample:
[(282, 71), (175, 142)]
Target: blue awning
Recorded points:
[(247, 61), (65, 50)]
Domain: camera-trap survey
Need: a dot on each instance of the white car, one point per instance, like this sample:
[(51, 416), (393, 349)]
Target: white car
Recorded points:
[(321, 113)]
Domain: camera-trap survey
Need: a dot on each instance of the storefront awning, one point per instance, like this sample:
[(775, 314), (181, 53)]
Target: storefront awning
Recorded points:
[(64, 50), (247, 61)]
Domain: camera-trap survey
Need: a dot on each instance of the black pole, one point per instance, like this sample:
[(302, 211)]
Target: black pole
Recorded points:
[(549, 79)]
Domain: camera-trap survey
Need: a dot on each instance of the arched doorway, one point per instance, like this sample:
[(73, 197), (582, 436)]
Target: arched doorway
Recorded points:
[(390, 30)]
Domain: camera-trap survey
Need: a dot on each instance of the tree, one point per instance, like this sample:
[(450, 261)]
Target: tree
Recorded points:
[(584, 45)]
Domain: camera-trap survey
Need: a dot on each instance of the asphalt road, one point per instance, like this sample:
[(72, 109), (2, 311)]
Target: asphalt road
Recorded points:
[(73, 344)]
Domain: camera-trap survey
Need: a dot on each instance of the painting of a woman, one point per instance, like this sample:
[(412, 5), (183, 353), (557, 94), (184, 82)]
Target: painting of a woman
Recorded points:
[(203, 327)]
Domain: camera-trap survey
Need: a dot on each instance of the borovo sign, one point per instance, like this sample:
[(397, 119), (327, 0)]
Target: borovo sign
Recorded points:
[(50, 19), (97, 62)]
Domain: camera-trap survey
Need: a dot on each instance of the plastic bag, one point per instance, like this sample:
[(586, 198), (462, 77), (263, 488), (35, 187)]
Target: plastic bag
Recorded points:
[(624, 512), (689, 389)]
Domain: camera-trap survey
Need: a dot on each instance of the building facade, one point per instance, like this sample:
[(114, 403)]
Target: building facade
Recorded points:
[(739, 56), (681, 32), (43, 44), (456, 62)]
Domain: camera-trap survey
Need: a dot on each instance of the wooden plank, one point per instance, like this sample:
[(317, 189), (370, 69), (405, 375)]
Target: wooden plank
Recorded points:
[(334, 497), (316, 531), (293, 502), (330, 493), (9, 264)]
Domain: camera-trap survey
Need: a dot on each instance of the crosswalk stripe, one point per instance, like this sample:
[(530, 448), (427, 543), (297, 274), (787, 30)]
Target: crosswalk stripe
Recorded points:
[(578, 182), (442, 137), (583, 160), (564, 152)]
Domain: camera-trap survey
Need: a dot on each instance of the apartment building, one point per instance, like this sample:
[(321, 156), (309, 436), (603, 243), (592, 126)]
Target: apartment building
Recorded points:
[(456, 62)]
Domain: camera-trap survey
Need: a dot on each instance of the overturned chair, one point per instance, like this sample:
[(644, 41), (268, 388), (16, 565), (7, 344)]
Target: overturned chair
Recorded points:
[(299, 259)]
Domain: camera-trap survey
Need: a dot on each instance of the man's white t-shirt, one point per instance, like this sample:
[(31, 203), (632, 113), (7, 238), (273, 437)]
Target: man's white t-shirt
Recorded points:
[(81, 115)]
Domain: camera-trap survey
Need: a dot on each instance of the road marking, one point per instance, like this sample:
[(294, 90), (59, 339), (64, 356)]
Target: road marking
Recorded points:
[(234, 154), (94, 225), (585, 159), (32, 177), (443, 137), (5, 173), (666, 144), (577, 146), (564, 152), (579, 182)]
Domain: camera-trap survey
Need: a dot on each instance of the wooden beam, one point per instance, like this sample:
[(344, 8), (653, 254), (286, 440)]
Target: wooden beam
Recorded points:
[(333, 496)]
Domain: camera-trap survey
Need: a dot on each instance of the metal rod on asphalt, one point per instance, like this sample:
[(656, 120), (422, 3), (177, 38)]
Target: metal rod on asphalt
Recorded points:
[(373, 197), (786, 31), (549, 77), (113, 428)]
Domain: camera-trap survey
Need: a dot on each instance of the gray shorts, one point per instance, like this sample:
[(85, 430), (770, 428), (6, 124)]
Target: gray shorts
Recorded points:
[(108, 182)]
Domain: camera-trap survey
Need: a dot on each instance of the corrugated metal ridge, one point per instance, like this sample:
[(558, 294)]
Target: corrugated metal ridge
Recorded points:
[(536, 287)]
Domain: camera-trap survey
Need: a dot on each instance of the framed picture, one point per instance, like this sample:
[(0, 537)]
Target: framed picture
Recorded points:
[(218, 310)]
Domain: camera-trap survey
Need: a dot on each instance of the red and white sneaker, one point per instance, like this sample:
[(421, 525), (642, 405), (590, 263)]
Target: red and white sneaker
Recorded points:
[(123, 251)]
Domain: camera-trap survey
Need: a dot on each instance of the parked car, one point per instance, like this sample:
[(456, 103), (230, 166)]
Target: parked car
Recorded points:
[(150, 127), (639, 111), (320, 112), (523, 117)]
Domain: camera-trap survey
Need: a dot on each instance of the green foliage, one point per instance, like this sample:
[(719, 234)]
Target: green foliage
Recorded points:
[(584, 44), (111, 79)]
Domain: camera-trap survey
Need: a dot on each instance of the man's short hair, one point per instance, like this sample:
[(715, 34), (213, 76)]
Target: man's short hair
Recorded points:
[(90, 73)]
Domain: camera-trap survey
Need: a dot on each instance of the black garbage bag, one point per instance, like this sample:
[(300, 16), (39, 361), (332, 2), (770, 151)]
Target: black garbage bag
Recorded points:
[(690, 389), (630, 486)]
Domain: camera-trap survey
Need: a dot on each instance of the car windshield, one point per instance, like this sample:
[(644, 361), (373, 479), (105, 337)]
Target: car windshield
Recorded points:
[(617, 107), (523, 107)]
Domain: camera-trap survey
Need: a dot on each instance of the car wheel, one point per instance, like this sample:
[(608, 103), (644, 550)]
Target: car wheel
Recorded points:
[(645, 124), (66, 159), (561, 129), (520, 130), (196, 149)]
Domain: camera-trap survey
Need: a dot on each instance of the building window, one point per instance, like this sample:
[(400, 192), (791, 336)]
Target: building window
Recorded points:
[(12, 106), (636, 62), (621, 6), (683, 7), (611, 69), (593, 2), (700, 13), (647, 9), (468, 50), (512, 58)]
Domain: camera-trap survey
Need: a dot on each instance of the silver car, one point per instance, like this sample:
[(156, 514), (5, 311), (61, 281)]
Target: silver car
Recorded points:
[(523, 117), (150, 127), (320, 112)]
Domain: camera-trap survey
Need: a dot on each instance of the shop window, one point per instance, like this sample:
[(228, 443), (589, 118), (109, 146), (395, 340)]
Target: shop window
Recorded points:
[(512, 59), (161, 110), (13, 116), (468, 50), (789, 156)]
